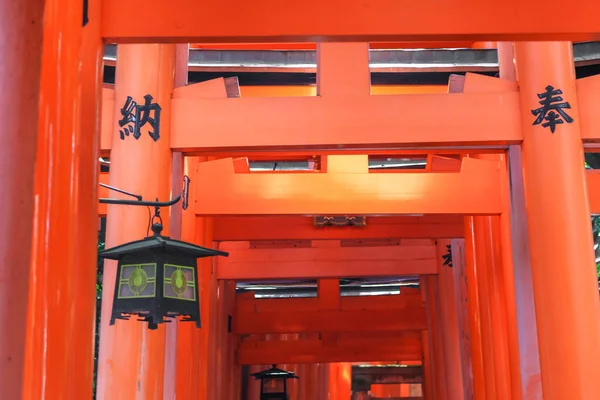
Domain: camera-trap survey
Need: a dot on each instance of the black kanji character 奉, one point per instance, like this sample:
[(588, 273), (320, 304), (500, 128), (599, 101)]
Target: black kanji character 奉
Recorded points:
[(552, 109)]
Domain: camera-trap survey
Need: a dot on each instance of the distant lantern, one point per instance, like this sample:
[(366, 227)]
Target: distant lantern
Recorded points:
[(157, 278), (273, 385)]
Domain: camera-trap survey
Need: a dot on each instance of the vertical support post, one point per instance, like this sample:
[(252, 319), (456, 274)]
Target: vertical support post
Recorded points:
[(254, 384), (208, 308), (430, 288), (86, 197), (428, 387), (449, 321), (345, 380), (480, 386), (308, 374), (323, 387), (175, 215), (140, 164), (61, 305), (21, 26), (189, 353), (526, 358), (563, 265), (462, 303)]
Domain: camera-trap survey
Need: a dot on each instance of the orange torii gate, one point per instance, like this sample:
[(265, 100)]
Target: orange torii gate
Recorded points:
[(48, 311)]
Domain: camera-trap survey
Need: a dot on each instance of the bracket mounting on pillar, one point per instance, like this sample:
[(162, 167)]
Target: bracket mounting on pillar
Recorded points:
[(139, 200)]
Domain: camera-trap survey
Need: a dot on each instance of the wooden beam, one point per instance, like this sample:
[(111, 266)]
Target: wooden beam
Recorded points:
[(245, 305), (387, 375), (245, 263), (260, 21), (302, 228), (356, 121), (313, 46), (348, 188), (404, 347), (412, 318)]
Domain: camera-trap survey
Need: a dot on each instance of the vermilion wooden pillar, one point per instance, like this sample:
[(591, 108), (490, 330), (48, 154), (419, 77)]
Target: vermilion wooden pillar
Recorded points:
[(449, 321), (524, 353), (21, 53), (477, 357), (459, 271), (189, 337), (61, 306), (323, 382), (492, 303), (435, 336), (131, 364), (208, 312), (563, 265), (175, 216)]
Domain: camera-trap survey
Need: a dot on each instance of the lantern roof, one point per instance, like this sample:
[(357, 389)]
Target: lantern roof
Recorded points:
[(157, 241), (276, 373)]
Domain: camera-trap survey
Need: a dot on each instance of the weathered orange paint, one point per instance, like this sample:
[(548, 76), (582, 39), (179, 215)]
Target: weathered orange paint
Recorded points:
[(143, 167), (21, 54), (61, 299), (568, 320), (386, 21)]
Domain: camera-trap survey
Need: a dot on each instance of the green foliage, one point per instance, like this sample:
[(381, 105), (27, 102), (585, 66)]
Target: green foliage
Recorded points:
[(596, 234), (99, 272)]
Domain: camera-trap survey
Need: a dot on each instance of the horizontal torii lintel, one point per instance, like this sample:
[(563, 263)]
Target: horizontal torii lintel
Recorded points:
[(327, 262), (412, 318), (348, 188), (260, 21), (315, 351), (245, 306), (302, 228), (346, 122)]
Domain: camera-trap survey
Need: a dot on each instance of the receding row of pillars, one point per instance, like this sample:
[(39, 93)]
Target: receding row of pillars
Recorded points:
[(50, 80)]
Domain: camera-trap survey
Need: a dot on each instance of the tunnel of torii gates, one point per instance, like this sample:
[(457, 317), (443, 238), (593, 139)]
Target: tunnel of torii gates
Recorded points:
[(497, 226)]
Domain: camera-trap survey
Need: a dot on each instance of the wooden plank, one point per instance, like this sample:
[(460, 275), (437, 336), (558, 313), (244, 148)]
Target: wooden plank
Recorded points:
[(350, 122), (302, 228), (413, 318), (329, 262), (405, 348), (348, 189), (260, 21)]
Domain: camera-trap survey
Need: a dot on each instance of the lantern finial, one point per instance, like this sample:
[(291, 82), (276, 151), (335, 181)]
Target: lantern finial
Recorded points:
[(157, 226)]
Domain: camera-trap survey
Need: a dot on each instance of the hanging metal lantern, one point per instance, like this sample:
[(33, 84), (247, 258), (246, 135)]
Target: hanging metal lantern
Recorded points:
[(157, 278), (273, 383)]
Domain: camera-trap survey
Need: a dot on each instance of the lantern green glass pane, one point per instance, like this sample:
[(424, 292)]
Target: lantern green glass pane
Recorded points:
[(137, 281), (179, 282)]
